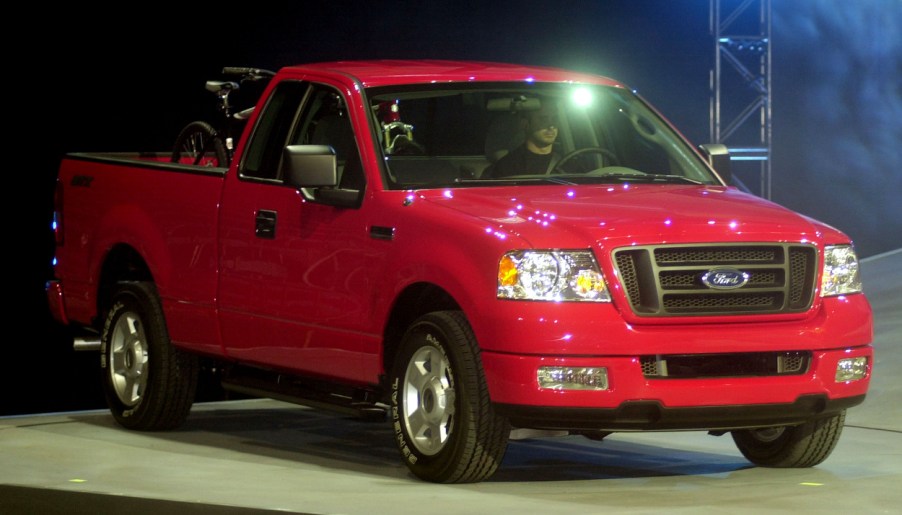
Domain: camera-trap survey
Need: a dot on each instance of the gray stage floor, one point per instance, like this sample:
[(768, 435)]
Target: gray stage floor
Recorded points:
[(261, 456)]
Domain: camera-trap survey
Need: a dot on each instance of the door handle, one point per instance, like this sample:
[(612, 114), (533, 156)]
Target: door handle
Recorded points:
[(265, 224)]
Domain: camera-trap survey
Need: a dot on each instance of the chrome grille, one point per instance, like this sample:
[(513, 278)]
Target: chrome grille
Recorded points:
[(667, 280)]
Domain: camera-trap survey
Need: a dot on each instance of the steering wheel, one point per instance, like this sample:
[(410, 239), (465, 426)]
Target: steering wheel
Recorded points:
[(558, 168)]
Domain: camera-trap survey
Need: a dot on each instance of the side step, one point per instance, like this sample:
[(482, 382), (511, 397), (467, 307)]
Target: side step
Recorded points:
[(255, 382)]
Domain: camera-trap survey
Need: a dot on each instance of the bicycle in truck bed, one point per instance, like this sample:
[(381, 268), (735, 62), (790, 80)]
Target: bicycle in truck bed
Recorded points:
[(202, 143)]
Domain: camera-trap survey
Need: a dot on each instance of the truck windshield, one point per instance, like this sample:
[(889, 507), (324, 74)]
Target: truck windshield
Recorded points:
[(479, 134)]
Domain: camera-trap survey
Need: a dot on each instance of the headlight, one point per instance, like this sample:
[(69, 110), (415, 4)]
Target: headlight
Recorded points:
[(555, 275), (840, 271)]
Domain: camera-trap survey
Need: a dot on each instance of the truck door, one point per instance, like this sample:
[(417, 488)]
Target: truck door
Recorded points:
[(295, 275)]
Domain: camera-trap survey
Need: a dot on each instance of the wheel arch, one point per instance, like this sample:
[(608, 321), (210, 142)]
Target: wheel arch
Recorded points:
[(122, 263), (411, 303)]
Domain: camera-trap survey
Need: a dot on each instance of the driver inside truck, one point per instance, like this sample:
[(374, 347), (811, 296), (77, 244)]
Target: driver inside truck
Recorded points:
[(536, 155)]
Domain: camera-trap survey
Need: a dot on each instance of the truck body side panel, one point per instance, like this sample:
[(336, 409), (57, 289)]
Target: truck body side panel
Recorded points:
[(297, 298), (166, 214)]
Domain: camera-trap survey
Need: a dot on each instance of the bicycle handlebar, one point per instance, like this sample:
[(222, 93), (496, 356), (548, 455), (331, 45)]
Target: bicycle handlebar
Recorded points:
[(248, 73)]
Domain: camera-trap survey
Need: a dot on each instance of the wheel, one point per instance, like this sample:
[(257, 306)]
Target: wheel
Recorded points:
[(148, 383), (559, 167), (444, 424), (805, 445), (200, 144)]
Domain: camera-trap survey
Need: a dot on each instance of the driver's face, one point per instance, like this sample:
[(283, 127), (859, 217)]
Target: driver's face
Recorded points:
[(542, 127)]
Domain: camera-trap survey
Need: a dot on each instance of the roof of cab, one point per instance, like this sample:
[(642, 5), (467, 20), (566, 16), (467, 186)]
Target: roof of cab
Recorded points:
[(373, 73)]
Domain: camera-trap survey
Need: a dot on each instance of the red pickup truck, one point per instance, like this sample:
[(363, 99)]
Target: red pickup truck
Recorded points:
[(464, 249)]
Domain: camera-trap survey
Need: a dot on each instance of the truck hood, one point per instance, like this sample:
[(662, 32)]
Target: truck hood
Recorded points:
[(631, 214)]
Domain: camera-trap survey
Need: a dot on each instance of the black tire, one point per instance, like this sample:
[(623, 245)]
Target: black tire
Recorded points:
[(148, 383), (444, 423), (799, 446), (199, 144)]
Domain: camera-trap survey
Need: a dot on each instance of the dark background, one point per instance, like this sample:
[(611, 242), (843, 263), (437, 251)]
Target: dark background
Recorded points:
[(84, 79)]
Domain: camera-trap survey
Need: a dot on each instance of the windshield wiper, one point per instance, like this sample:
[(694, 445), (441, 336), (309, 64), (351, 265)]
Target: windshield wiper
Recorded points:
[(513, 180), (651, 177), (673, 178), (565, 180)]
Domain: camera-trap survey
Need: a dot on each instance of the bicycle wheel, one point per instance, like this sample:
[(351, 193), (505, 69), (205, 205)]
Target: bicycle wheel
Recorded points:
[(200, 144)]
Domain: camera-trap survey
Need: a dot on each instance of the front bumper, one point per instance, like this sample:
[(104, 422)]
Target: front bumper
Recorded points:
[(653, 416), (634, 401)]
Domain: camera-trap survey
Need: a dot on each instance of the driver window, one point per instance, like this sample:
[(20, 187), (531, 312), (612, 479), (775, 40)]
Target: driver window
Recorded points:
[(261, 161), (325, 121)]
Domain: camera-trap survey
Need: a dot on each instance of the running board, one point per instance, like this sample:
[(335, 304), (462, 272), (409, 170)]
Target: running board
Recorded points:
[(255, 382)]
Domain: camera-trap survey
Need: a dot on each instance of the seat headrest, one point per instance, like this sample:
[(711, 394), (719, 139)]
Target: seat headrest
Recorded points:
[(504, 134)]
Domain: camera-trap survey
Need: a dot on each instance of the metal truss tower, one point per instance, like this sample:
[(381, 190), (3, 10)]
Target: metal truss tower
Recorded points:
[(742, 44)]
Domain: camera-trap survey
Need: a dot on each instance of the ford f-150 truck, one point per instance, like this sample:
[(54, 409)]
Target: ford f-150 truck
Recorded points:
[(466, 250)]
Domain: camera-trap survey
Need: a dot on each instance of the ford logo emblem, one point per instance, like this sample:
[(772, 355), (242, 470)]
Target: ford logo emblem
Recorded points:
[(725, 278)]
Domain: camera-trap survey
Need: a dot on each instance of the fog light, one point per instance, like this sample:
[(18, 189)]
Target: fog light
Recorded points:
[(851, 369), (573, 378)]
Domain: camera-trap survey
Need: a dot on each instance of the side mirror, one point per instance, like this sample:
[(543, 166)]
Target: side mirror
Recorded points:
[(718, 156), (313, 169), (309, 166)]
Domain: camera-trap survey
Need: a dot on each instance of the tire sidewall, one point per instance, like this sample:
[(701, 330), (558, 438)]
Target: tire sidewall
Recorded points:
[(127, 300), (804, 445), (429, 331), (140, 299)]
